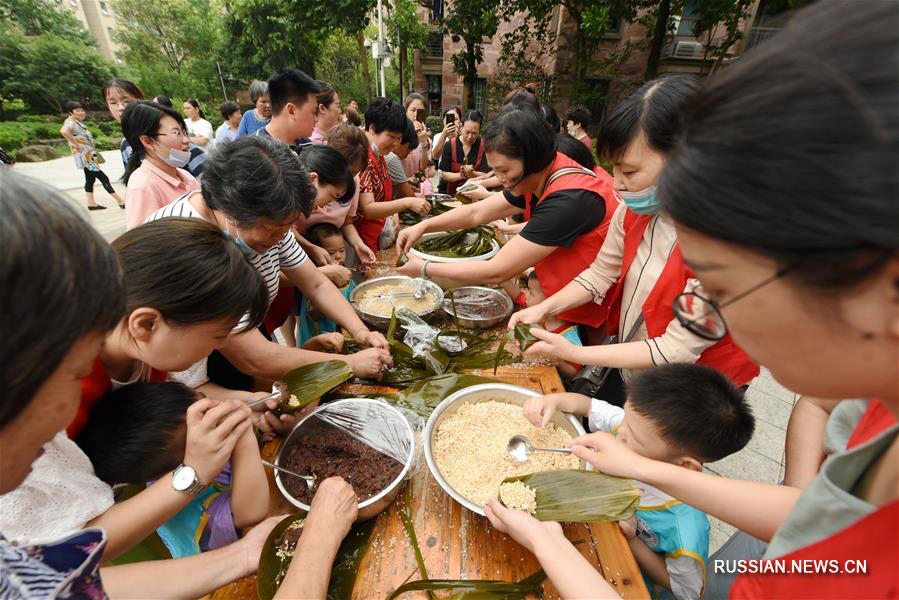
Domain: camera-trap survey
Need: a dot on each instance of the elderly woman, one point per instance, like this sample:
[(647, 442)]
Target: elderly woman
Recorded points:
[(54, 327), (255, 189), (258, 117)]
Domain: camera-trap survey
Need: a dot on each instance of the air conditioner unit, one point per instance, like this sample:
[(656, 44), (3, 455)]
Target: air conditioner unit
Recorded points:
[(688, 50)]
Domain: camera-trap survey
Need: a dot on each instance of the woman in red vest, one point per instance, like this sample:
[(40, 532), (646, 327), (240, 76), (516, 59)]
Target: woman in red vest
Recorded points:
[(567, 208), (463, 158), (639, 270), (801, 261)]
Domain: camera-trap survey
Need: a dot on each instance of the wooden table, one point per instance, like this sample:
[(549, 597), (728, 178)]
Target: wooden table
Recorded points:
[(457, 543)]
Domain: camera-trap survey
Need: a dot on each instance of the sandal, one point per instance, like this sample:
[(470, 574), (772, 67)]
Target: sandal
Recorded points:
[(96, 207)]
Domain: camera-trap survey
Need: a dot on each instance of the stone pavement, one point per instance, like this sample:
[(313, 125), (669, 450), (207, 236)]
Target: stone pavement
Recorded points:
[(762, 460)]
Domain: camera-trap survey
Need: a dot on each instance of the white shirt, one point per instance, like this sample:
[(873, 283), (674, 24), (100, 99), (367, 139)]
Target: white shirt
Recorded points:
[(201, 128), (225, 134)]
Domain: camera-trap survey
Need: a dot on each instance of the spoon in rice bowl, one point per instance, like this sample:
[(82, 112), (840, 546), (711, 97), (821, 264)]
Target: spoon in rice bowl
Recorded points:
[(520, 448)]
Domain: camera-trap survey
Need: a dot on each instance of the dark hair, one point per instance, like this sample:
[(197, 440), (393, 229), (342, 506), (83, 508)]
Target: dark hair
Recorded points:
[(330, 166), (124, 85), (143, 118), (257, 90), (410, 135), (580, 115), (320, 231), (383, 114), (552, 117), (350, 141), (352, 116), (523, 134), (326, 95), (454, 109), (575, 149), (138, 432), (472, 115), (771, 161), (694, 408), (523, 96), (290, 85), (196, 105), (71, 105), (410, 97), (228, 108), (164, 100), (656, 110), (256, 177), (60, 281), (191, 272)]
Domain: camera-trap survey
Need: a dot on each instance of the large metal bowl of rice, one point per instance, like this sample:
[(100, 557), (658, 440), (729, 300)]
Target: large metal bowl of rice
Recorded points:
[(465, 441)]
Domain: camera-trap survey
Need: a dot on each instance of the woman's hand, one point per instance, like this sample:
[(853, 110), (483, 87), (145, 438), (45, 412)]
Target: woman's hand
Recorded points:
[(412, 268), (418, 205), (319, 255), (213, 428), (338, 274), (271, 424), (331, 342), (450, 131), (364, 253), (375, 339), (253, 541), (478, 193), (532, 314), (334, 508), (368, 363), (609, 455), (519, 525), (552, 344), (422, 132), (408, 236), (504, 227)]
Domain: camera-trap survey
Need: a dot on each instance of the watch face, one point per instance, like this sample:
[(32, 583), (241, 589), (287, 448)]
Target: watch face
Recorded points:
[(183, 478)]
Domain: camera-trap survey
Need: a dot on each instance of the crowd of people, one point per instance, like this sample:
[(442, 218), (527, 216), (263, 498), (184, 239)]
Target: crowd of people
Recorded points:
[(749, 219)]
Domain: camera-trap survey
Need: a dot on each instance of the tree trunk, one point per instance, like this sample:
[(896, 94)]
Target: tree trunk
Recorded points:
[(659, 32), (363, 62)]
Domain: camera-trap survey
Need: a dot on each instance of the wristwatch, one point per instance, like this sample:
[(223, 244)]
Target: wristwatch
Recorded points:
[(184, 479)]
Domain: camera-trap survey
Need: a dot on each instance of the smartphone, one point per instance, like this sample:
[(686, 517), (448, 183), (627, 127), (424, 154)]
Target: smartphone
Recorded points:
[(450, 118), (421, 114)]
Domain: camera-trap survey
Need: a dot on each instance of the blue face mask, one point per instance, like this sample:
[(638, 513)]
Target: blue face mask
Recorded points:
[(242, 244), (643, 202)]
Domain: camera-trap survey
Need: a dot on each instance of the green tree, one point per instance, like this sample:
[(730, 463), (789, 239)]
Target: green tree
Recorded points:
[(352, 17), (36, 17), (471, 21), (403, 23), (525, 54)]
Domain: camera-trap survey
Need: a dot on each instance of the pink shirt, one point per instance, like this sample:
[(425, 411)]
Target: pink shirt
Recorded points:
[(318, 136), (150, 188), (412, 162), (332, 213)]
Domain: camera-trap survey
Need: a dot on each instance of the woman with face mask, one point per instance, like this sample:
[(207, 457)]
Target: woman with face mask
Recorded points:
[(155, 174), (639, 270)]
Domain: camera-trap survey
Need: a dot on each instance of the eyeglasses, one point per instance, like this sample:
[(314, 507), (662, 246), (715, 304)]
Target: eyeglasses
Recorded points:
[(179, 133), (702, 316)]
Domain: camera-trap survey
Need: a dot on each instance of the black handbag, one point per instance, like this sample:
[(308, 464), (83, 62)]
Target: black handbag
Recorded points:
[(591, 378)]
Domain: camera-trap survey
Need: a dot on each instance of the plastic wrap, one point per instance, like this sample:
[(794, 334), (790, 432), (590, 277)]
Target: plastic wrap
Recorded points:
[(373, 422)]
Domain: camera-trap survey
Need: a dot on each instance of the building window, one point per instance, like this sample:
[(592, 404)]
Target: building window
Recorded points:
[(435, 94), (73, 2), (109, 31), (104, 8), (433, 44), (480, 95), (686, 20)]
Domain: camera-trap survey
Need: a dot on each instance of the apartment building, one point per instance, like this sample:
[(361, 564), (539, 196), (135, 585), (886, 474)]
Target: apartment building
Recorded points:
[(97, 17)]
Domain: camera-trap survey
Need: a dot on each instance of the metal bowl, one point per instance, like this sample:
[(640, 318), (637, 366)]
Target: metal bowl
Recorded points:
[(376, 411), (448, 259), (484, 392), (479, 322), (380, 322)]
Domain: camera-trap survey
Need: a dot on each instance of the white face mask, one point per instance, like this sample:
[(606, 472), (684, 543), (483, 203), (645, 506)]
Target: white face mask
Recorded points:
[(176, 158)]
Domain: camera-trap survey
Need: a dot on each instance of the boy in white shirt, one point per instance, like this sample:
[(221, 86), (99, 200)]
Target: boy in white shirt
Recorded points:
[(683, 414)]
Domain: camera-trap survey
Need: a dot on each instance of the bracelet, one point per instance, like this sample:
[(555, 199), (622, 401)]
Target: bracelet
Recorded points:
[(424, 269)]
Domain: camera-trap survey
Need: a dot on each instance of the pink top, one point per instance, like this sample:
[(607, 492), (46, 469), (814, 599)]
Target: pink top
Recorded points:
[(318, 136), (150, 188), (332, 213), (412, 162)]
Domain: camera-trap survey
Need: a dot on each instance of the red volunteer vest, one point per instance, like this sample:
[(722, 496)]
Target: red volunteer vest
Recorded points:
[(370, 229), (871, 539), (558, 269), (658, 309), (92, 389), (456, 166)]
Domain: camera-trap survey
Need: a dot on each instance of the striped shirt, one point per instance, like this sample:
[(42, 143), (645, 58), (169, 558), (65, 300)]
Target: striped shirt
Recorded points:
[(286, 254)]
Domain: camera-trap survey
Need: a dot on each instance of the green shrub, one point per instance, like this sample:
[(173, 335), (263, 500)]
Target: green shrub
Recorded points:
[(12, 136), (41, 118), (435, 124), (107, 143)]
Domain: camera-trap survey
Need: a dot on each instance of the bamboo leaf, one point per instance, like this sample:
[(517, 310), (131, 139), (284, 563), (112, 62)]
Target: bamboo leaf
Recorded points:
[(499, 352), (523, 336), (310, 382), (579, 496), (477, 589)]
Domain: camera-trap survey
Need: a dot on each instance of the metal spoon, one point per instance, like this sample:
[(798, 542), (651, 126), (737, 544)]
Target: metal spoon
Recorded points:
[(309, 479), (520, 448)]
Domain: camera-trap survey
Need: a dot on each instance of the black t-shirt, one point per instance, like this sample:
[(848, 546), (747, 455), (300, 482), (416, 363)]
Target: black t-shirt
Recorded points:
[(562, 217), (446, 158)]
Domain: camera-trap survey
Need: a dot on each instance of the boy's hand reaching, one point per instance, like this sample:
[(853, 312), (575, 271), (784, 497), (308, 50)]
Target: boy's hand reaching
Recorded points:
[(540, 410), (213, 428), (629, 527)]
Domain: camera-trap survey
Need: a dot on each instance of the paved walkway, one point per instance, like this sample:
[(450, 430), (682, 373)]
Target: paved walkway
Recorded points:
[(762, 460)]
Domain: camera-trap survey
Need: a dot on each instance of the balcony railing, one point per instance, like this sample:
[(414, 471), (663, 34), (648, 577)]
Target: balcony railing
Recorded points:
[(759, 35), (433, 47)]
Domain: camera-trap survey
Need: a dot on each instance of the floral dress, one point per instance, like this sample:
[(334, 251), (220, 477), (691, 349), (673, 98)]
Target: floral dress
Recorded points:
[(68, 568), (85, 153)]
